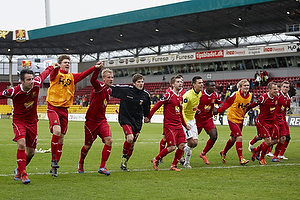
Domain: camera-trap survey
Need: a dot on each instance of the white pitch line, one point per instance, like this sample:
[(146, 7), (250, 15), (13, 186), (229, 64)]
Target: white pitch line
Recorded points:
[(165, 169)]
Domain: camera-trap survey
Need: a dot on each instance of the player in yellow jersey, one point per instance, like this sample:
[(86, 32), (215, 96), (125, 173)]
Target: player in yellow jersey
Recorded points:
[(189, 107), (237, 104), (59, 98)]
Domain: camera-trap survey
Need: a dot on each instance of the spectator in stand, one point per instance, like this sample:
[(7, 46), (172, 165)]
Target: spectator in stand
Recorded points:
[(77, 100), (221, 118), (251, 84), (234, 88), (257, 81), (265, 78), (255, 75), (221, 88), (251, 116), (153, 99), (227, 94), (222, 95), (228, 87), (261, 78), (84, 101)]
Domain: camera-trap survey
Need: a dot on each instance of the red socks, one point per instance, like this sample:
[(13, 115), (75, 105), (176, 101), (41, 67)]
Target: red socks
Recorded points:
[(59, 151), (21, 160), (83, 154), (263, 150), (278, 148), (253, 141), (162, 145), (284, 146), (208, 146), (239, 149), (178, 155), (54, 146), (162, 154), (126, 147), (105, 154), (228, 146)]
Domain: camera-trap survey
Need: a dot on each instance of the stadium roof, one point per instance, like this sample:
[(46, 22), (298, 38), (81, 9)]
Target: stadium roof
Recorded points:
[(189, 21)]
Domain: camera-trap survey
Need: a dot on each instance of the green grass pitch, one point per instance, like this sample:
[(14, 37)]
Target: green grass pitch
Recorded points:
[(214, 181)]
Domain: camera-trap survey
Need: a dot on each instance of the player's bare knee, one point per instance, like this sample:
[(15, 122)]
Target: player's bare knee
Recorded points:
[(30, 154), (172, 148), (268, 141), (21, 144), (87, 147), (214, 137), (129, 138), (108, 141)]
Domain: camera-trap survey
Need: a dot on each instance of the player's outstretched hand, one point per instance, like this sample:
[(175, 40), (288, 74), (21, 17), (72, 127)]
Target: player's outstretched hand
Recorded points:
[(188, 127), (146, 120), (215, 111), (99, 64)]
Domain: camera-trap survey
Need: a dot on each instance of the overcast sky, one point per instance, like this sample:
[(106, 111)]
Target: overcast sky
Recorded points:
[(30, 14)]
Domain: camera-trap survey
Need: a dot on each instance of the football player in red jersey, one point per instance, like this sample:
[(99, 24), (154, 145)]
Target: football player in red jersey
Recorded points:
[(265, 122), (283, 105), (96, 124), (204, 116), (25, 97), (163, 141), (238, 103), (173, 121), (60, 97)]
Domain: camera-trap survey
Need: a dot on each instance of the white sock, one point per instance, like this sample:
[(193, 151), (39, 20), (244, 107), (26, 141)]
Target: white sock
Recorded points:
[(187, 154)]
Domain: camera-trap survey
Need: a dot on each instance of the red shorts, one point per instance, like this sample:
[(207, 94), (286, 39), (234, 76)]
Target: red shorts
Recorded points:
[(207, 125), (27, 131), (128, 130), (58, 116), (265, 130), (92, 129), (236, 129), (174, 137), (284, 129)]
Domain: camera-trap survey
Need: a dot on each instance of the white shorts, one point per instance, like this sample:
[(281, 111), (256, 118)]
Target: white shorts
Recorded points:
[(193, 133)]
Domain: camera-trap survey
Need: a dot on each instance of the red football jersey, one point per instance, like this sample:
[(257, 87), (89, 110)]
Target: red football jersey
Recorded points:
[(25, 103), (99, 99), (172, 109), (267, 107), (284, 102), (206, 104)]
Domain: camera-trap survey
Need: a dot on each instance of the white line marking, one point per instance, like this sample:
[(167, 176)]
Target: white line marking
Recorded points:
[(142, 170)]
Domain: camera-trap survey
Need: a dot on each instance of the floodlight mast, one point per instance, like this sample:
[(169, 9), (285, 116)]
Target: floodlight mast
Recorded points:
[(47, 13)]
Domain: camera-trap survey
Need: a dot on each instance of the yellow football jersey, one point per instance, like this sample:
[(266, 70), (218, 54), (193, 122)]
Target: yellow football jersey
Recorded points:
[(190, 104)]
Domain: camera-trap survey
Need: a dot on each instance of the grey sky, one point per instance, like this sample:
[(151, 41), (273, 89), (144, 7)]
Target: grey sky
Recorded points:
[(30, 14)]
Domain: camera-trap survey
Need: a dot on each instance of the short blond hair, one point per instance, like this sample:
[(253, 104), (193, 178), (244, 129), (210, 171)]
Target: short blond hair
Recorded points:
[(270, 84), (105, 71), (172, 81), (242, 82)]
